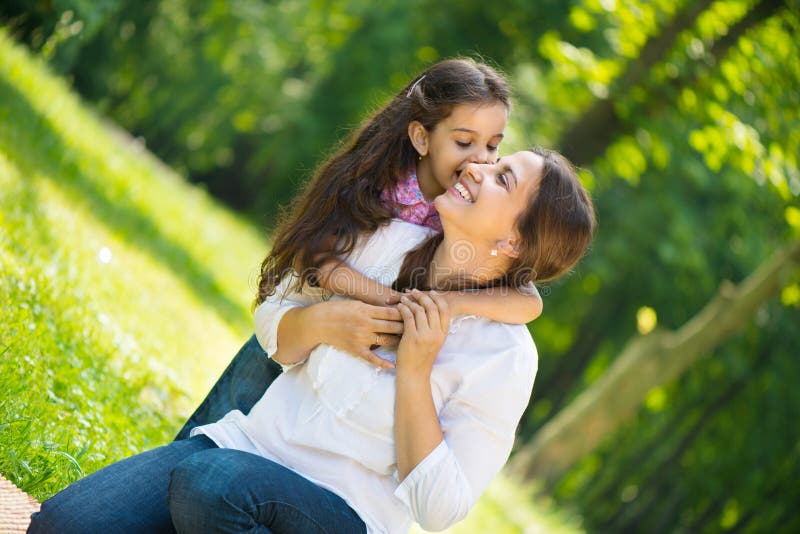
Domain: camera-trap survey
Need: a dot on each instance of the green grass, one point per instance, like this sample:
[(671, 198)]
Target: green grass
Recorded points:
[(124, 293)]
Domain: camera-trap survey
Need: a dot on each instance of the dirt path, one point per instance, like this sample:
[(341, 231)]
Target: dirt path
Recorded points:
[(16, 508)]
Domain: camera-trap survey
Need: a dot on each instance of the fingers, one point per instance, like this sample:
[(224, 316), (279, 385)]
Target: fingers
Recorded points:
[(409, 322), (393, 298), (444, 309), (420, 316), (384, 313), (386, 340), (374, 359), (387, 327), (431, 309)]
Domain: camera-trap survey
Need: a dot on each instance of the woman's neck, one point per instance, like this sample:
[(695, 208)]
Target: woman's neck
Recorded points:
[(458, 264)]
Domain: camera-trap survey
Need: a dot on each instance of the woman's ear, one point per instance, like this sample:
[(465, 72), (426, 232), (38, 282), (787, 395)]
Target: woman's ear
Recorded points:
[(509, 247), (418, 135)]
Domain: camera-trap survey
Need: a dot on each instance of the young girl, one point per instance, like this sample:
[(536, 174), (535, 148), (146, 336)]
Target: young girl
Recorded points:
[(406, 154)]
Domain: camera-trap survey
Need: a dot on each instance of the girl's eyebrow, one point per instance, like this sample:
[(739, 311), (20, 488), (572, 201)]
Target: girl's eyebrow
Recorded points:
[(500, 135)]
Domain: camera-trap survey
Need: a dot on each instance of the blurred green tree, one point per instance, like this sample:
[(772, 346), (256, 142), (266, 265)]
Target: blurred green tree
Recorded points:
[(684, 118)]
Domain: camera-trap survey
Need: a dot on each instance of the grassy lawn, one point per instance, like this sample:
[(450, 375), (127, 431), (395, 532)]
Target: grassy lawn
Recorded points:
[(125, 292)]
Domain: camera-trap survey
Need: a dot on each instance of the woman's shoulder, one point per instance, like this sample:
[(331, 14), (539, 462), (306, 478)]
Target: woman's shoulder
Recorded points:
[(491, 361), (487, 343), (486, 332)]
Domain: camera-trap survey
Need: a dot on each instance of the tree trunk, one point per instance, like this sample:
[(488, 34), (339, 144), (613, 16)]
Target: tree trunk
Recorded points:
[(646, 362), (600, 125), (582, 144)]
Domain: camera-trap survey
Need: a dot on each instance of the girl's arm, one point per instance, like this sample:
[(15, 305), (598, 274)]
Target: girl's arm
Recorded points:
[(339, 278), (502, 304)]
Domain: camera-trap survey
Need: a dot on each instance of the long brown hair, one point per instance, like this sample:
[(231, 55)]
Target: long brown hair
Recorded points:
[(555, 230), (343, 199)]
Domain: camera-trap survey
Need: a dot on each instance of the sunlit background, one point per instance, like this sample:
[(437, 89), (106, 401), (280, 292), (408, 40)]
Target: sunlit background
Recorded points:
[(146, 146)]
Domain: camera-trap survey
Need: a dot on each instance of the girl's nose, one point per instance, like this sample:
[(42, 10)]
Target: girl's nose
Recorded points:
[(481, 156)]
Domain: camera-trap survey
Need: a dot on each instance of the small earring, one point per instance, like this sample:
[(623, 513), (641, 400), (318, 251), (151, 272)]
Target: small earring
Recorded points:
[(493, 252)]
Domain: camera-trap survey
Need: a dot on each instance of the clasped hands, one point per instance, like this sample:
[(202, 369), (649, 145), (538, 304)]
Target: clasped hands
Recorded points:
[(416, 322)]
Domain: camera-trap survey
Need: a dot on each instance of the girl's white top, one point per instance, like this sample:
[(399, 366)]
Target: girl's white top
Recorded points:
[(331, 417)]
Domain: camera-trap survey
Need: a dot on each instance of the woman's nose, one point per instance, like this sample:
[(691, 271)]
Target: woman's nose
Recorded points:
[(473, 172)]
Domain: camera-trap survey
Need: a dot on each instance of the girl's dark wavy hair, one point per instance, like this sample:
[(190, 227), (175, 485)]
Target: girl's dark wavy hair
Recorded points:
[(555, 230), (343, 199)]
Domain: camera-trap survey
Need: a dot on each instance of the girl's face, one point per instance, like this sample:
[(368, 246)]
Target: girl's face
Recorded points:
[(471, 134), (486, 200)]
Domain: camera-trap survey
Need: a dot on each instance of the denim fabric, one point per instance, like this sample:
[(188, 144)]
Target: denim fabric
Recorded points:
[(192, 486), (129, 496), (244, 381), (225, 490)]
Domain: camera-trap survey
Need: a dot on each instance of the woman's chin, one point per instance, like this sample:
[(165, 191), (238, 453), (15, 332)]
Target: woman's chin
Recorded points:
[(441, 202), (445, 206), (449, 200)]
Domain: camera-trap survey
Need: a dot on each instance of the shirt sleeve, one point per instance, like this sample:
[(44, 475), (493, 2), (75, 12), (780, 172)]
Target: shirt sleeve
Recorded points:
[(528, 289), (269, 313), (479, 422)]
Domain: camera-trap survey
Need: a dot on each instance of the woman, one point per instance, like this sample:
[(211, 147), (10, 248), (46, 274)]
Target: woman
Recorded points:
[(336, 444)]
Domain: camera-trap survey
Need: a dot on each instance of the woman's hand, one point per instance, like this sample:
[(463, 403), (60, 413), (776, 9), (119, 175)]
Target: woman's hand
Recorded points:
[(356, 327), (417, 432), (426, 319)]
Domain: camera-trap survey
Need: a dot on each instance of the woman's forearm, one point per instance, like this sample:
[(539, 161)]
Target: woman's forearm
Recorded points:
[(417, 429), (298, 334), (345, 324)]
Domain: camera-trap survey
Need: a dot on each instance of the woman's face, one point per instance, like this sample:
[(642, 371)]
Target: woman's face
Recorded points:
[(486, 200), (470, 134)]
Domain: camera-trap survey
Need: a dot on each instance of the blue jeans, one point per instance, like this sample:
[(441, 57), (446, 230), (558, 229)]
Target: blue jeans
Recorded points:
[(244, 381), (193, 486), (126, 496)]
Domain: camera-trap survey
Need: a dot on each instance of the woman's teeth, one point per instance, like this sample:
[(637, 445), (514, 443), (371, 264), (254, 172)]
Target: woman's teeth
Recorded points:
[(464, 192)]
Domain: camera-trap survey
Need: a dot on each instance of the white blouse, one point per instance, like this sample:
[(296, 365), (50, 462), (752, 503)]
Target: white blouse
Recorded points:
[(331, 417)]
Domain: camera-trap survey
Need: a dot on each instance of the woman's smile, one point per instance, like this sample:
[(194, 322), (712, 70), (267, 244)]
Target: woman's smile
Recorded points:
[(462, 192)]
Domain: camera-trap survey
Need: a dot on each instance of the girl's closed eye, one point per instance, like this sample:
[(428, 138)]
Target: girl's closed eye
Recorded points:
[(467, 144)]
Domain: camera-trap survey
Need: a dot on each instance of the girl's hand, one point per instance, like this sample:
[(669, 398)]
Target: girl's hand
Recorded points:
[(385, 296), (452, 298), (356, 327), (426, 318)]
